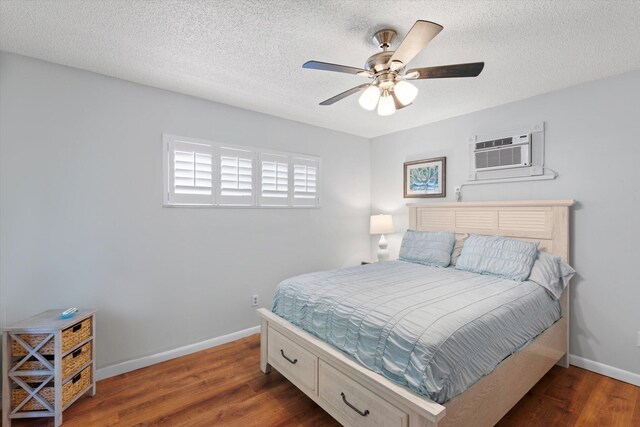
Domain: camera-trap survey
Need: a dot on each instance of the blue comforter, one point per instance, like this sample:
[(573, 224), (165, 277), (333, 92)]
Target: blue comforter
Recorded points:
[(434, 330)]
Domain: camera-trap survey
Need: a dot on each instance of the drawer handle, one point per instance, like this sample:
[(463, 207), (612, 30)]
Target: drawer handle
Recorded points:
[(293, 362), (76, 378), (76, 353), (77, 327), (363, 414)]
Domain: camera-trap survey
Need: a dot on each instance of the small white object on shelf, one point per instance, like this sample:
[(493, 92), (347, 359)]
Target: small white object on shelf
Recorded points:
[(381, 224), (68, 313)]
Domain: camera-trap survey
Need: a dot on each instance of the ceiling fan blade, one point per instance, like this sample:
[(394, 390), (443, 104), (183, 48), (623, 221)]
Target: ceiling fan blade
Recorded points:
[(325, 66), (471, 69), (417, 39), (344, 94)]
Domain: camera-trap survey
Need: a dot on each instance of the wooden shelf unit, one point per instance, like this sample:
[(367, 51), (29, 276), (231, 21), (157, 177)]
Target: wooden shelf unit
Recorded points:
[(47, 364)]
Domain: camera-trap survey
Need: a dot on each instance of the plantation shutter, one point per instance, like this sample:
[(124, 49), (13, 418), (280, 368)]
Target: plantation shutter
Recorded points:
[(190, 173), (274, 180), (206, 173), (305, 182), (236, 176)]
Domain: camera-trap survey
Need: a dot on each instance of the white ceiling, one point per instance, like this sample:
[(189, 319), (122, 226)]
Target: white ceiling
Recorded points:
[(250, 53)]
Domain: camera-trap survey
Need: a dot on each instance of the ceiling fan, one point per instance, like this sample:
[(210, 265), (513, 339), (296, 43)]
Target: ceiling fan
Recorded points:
[(390, 89)]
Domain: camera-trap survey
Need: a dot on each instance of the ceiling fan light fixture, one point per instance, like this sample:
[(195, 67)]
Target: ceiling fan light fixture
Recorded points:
[(405, 92), (369, 98), (386, 106)]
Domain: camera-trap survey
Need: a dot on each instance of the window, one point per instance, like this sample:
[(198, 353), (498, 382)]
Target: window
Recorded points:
[(236, 176), (274, 189), (190, 175), (203, 173), (305, 178)]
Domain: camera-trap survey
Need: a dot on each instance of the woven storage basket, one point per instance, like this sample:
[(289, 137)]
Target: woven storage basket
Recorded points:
[(75, 386), (76, 360), (74, 335), (70, 390), (35, 365), (18, 395), (33, 340)]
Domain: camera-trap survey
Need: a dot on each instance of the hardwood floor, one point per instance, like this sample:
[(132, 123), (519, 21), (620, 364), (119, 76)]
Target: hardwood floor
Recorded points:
[(224, 386)]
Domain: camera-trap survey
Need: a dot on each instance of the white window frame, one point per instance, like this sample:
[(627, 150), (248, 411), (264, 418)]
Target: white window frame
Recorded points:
[(171, 145), (227, 200), (278, 158), (216, 200), (308, 162)]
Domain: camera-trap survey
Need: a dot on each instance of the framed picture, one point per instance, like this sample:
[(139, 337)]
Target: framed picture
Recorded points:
[(425, 178)]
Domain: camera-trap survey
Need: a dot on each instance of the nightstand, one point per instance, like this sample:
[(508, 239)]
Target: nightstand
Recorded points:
[(48, 363)]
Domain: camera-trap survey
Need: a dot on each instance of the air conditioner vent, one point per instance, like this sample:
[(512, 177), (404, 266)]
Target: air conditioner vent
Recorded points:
[(481, 160), (502, 153), (494, 143), (517, 155)]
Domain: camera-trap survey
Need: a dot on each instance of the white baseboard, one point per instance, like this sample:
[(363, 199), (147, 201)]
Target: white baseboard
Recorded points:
[(152, 359), (142, 362), (601, 368)]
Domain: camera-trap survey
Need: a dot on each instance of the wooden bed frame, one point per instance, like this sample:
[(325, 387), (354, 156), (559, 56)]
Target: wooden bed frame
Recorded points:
[(357, 396)]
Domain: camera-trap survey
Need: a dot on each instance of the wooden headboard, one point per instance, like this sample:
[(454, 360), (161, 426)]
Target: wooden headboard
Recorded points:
[(544, 221)]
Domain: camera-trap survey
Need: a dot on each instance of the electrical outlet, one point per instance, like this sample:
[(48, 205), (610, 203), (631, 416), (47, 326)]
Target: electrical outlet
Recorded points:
[(458, 190), (254, 300)]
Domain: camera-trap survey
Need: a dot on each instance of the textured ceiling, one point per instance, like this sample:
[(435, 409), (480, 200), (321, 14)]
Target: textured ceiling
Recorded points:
[(249, 53)]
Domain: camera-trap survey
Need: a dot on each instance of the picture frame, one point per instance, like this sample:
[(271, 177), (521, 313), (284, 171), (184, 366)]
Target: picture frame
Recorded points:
[(425, 178)]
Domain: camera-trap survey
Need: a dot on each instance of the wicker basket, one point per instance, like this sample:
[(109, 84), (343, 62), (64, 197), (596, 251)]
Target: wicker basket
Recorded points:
[(19, 394), (75, 334), (33, 340), (35, 365), (70, 390), (76, 385), (71, 337), (76, 360)]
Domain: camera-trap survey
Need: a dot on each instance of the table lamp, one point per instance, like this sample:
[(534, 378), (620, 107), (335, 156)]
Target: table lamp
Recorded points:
[(381, 224)]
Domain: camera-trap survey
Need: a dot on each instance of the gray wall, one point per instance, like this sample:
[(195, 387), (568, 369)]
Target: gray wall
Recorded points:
[(82, 221), (593, 141)]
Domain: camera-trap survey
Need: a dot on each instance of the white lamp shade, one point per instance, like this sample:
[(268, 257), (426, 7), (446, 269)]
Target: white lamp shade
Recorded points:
[(386, 106), (405, 92), (381, 224), (369, 98)]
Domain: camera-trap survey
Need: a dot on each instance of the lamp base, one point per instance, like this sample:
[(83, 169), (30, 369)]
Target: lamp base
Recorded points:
[(383, 252)]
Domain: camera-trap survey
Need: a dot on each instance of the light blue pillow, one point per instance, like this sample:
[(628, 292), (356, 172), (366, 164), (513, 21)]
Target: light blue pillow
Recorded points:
[(428, 248), (499, 256), (550, 272)]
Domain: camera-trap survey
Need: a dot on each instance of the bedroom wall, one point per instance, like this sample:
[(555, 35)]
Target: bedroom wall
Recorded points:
[(592, 141), (82, 222)]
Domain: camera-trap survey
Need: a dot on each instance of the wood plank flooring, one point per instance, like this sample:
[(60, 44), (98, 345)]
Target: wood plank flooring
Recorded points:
[(224, 386)]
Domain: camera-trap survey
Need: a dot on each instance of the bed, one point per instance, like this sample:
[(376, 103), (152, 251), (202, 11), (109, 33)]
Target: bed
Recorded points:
[(352, 381)]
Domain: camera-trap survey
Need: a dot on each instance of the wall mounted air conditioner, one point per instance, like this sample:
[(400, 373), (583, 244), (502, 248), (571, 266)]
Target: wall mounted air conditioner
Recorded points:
[(514, 152), (502, 153)]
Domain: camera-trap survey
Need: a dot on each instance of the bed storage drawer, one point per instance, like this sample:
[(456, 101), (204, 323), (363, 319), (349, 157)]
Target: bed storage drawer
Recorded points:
[(357, 405), (293, 361)]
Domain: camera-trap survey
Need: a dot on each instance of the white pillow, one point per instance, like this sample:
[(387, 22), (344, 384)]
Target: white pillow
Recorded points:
[(457, 249), (550, 272)]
